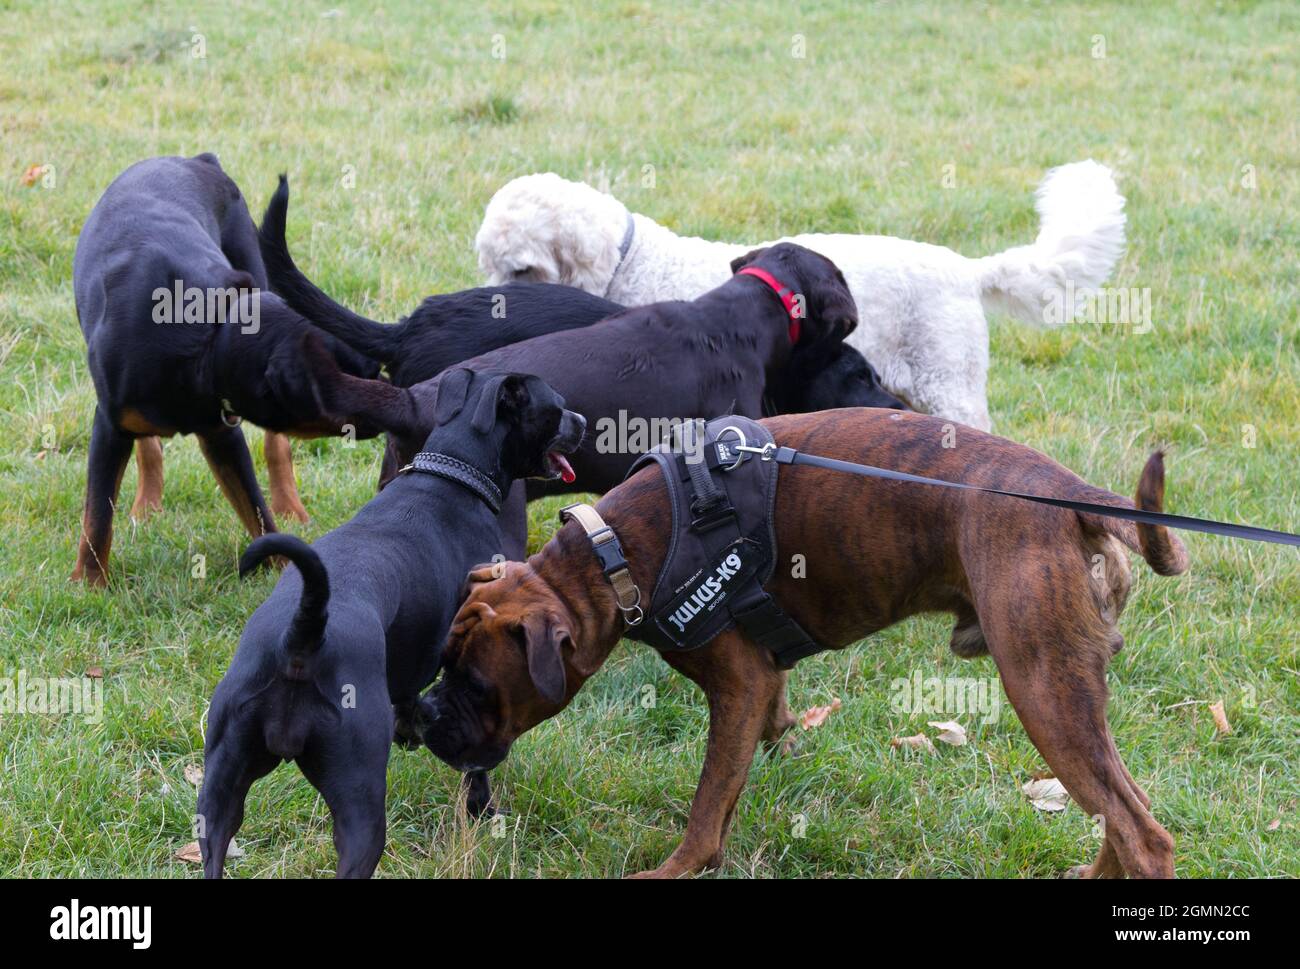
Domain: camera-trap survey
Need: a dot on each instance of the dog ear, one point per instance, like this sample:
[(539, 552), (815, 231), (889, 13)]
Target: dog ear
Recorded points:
[(544, 643), (507, 388), (453, 390), (487, 572), (469, 616), (740, 262)]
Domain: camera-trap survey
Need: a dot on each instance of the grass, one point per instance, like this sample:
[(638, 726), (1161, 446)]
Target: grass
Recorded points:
[(746, 142)]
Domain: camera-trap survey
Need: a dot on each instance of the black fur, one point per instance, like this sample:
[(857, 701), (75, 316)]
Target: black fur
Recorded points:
[(352, 633), (170, 220)]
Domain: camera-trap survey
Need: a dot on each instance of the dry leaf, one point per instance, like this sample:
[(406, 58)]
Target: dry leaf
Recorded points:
[(919, 742), (32, 175), (1274, 824), (816, 716), (194, 856), (1220, 718), (1047, 794), (194, 774), (951, 732), (190, 853), (40, 455), (94, 673)]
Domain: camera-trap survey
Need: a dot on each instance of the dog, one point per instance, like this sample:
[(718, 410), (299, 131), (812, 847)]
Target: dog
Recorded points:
[(649, 365), (183, 337), (352, 633), (922, 307), (449, 329), (1038, 588)]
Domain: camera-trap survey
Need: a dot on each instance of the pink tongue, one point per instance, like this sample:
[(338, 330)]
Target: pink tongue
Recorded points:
[(566, 469)]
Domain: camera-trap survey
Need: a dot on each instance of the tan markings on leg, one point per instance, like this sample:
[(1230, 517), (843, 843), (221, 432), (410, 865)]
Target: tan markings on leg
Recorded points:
[(284, 488), (97, 540), (237, 494), (149, 475)]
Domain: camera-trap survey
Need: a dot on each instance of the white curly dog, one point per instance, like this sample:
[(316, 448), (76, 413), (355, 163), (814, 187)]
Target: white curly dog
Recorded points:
[(921, 307)]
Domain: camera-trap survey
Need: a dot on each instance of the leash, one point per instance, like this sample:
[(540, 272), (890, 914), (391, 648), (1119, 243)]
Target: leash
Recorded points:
[(454, 469), (787, 455), (784, 293)]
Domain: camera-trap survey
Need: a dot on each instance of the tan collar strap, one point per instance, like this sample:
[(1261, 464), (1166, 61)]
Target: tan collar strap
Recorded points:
[(612, 562)]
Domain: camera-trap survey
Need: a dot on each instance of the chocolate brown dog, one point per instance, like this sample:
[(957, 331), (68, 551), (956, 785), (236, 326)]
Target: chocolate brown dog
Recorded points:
[(1038, 588)]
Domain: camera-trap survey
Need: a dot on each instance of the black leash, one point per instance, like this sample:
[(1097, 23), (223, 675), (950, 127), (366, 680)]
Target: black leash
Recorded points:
[(787, 455), (454, 469)]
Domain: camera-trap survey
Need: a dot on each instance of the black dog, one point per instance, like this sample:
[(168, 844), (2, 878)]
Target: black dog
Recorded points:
[(356, 629), (182, 336), (634, 372), (449, 329)]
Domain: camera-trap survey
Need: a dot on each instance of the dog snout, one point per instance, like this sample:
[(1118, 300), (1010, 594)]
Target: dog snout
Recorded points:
[(573, 428)]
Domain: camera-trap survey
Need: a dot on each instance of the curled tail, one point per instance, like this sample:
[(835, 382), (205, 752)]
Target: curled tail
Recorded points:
[(376, 340), (1080, 239), (1163, 550), (303, 637)]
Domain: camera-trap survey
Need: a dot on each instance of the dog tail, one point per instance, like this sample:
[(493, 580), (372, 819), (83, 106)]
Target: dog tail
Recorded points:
[(1080, 239), (307, 630), (1163, 550), (375, 340)]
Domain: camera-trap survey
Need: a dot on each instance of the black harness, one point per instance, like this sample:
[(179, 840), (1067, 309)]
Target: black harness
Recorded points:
[(454, 469), (722, 549)]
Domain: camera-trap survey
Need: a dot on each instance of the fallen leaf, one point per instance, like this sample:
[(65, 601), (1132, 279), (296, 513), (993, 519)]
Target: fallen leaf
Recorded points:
[(1047, 794), (1274, 824), (816, 716), (190, 853), (40, 455), (94, 673), (919, 742), (951, 732), (32, 175), (1220, 718), (194, 774), (234, 851)]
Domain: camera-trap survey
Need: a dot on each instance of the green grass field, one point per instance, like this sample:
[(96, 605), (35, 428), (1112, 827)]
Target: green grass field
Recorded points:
[(1193, 104)]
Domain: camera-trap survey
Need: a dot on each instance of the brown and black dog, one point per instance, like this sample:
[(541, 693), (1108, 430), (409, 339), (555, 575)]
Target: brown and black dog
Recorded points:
[(1038, 588)]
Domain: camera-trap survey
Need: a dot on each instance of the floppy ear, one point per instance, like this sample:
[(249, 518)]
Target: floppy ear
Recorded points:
[(453, 388), (544, 642), (740, 262), (469, 616), (504, 387), (481, 573)]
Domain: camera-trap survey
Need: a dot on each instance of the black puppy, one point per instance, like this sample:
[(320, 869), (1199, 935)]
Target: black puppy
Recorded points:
[(449, 329), (356, 629), (183, 338)]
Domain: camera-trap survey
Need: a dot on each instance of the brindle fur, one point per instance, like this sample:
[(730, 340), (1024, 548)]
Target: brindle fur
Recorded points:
[(1021, 579)]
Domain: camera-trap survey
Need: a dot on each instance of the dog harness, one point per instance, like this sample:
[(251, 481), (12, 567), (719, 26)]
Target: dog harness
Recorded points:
[(454, 469), (722, 549)]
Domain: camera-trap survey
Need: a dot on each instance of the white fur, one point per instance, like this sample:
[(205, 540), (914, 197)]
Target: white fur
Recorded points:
[(921, 307)]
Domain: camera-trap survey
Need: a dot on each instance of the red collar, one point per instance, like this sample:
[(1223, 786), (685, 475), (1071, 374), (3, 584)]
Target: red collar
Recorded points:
[(793, 307)]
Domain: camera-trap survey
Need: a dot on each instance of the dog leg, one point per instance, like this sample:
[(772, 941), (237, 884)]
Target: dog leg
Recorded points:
[(285, 502), (229, 770), (1058, 689), (514, 523), (149, 470), (742, 686), (110, 449), (780, 719), (350, 769), (228, 457), (478, 794)]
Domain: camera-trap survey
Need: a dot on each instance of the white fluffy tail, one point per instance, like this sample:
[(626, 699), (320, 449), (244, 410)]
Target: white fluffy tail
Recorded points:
[(1081, 238)]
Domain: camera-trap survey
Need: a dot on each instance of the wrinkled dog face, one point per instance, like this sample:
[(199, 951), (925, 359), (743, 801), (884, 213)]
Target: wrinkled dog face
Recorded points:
[(505, 669)]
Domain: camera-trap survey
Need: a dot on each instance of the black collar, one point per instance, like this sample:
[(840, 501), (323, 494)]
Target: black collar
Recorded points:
[(465, 475)]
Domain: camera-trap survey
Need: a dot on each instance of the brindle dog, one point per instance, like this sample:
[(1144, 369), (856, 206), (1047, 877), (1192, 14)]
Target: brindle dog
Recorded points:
[(1021, 579)]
